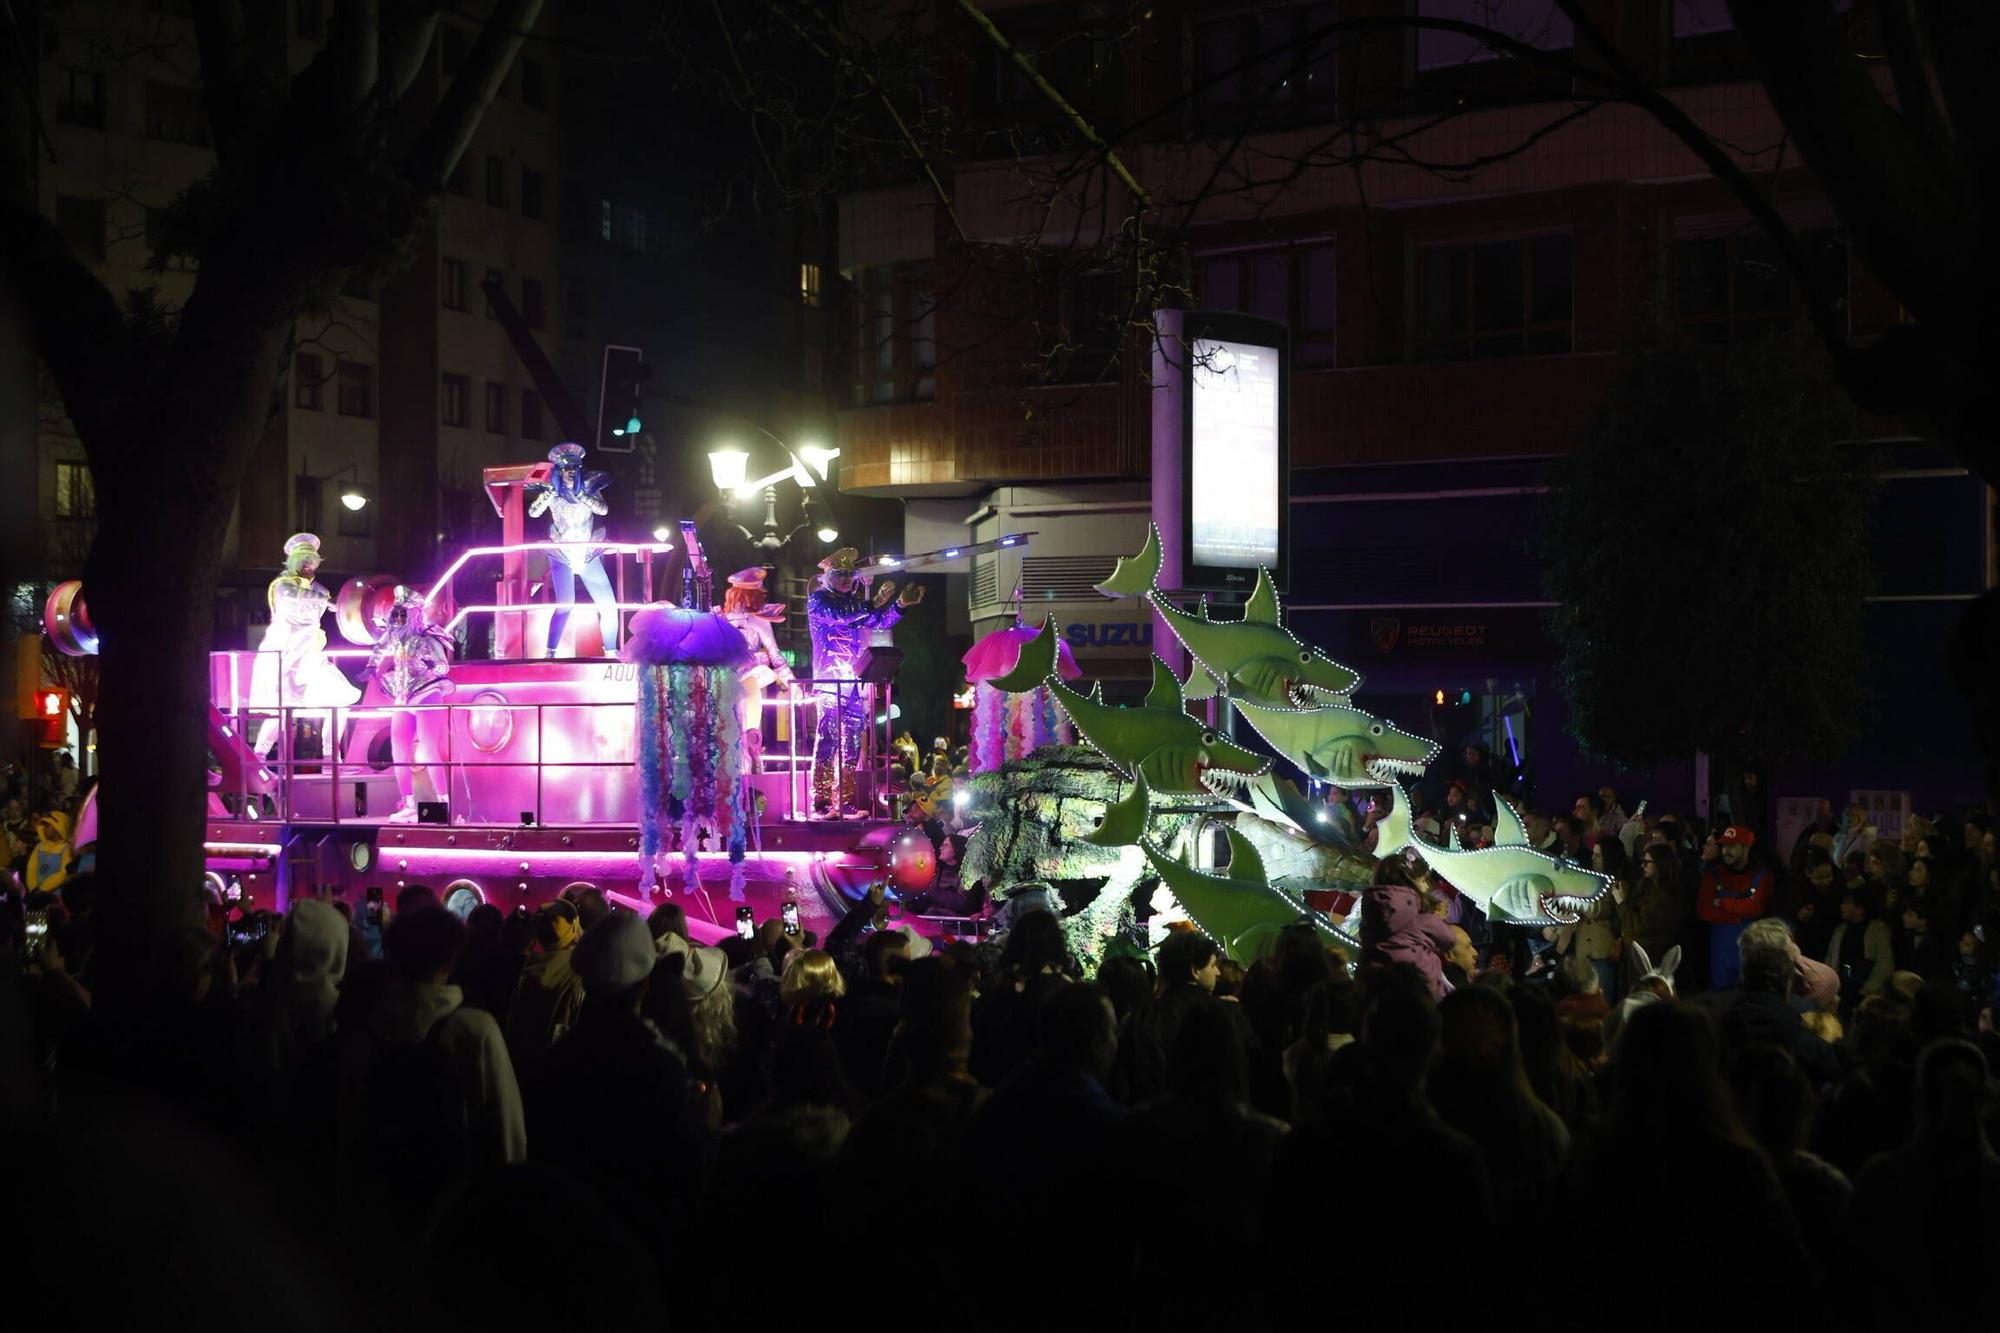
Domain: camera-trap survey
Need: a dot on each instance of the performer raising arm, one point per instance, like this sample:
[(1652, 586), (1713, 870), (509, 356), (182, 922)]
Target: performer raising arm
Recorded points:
[(573, 499), (840, 615)]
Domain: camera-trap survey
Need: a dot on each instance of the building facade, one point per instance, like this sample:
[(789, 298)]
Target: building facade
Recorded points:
[(1460, 304)]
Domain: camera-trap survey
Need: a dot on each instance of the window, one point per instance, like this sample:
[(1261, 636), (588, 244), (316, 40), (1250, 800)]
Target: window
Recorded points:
[(895, 334), (311, 19), (496, 181), (1077, 54), (161, 244), (451, 284), (76, 496), (496, 408), (357, 389), (453, 46), (356, 522), (1456, 69), (635, 229), (308, 379), (81, 222), (81, 101), (1501, 298), (1736, 287), (1293, 284), (604, 219), (531, 193), (456, 182), (531, 415), (174, 114), (531, 303), (809, 284), (1266, 66), (1705, 46), (452, 402), (533, 92), (576, 309), (495, 281), (305, 504), (359, 286)]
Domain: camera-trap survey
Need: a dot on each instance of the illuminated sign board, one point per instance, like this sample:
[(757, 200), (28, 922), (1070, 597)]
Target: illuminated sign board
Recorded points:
[(1236, 452)]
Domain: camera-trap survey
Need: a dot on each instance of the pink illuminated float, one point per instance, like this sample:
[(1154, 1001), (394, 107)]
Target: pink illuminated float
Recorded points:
[(519, 773)]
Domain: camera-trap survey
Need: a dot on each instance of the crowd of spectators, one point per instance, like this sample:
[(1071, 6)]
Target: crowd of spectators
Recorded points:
[(400, 1118)]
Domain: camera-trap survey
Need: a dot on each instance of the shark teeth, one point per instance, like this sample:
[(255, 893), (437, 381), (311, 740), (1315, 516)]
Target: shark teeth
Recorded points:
[(1223, 781), (1563, 909), (1304, 695), (1385, 768)]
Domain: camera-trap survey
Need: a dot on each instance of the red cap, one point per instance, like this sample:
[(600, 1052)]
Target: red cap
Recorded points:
[(1734, 836)]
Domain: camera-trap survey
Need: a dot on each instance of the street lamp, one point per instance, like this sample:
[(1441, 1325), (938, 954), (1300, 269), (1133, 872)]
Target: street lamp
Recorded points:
[(730, 469)]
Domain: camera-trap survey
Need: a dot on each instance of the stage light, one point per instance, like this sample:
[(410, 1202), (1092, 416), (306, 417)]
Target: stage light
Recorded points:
[(354, 500), (961, 798), (828, 534), (891, 561), (951, 554), (662, 532), (729, 467)]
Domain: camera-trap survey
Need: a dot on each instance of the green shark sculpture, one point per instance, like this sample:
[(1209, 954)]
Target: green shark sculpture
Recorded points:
[(1510, 881), (1241, 910), (1176, 754), (1341, 744), (1124, 823), (1256, 657)]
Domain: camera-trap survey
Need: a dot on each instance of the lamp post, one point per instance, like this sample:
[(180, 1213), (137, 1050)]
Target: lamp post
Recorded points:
[(730, 469)]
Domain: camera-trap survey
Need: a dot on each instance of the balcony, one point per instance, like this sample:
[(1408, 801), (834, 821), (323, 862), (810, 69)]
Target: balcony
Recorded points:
[(1505, 407), (971, 439)]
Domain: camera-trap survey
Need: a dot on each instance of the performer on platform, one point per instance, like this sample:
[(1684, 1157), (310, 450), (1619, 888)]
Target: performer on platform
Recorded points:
[(573, 499), (412, 664), (841, 614), (292, 669), (745, 608)]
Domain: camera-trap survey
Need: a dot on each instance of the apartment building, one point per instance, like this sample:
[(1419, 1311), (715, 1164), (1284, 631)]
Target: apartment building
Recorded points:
[(1459, 308)]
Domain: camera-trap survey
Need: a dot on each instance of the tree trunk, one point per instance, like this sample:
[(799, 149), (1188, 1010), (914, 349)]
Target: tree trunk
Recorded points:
[(152, 597)]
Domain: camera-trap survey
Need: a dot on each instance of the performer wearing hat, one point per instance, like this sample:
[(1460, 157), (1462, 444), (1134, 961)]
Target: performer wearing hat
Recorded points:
[(573, 499), (412, 664), (292, 669), (841, 614), (745, 608)]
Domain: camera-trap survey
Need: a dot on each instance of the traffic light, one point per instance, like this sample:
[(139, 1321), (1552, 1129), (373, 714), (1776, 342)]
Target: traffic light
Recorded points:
[(620, 414), (52, 715)]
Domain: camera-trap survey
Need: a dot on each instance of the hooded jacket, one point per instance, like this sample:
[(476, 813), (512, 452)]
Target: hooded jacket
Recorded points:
[(545, 1004), (473, 1048), (1395, 928)]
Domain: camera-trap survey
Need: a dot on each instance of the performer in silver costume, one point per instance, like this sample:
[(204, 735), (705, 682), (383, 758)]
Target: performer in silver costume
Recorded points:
[(292, 669), (573, 499), (412, 664)]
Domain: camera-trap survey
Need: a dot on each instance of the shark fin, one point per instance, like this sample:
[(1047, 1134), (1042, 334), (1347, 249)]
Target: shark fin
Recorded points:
[(1246, 864), (1166, 691), (1036, 663), (1451, 839), (1200, 684), (1262, 608), (1125, 822), (1392, 833), (1096, 690), (1136, 575), (1508, 830)]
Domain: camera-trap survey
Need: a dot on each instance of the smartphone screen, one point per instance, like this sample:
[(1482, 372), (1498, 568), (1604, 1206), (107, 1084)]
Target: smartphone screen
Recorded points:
[(791, 918), (37, 933), (744, 926)]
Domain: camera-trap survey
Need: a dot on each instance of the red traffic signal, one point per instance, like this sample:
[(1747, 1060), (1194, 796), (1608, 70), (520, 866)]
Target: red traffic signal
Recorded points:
[(52, 714)]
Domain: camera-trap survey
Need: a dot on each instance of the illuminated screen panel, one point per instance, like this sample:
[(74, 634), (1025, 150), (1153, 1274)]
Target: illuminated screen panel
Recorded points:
[(1236, 456)]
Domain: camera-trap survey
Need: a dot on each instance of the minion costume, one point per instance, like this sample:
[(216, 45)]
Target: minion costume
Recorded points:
[(412, 664), (573, 499), (841, 616), (48, 859), (292, 669)]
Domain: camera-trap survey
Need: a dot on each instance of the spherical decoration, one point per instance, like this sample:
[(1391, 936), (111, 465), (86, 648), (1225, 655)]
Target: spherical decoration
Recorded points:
[(912, 861)]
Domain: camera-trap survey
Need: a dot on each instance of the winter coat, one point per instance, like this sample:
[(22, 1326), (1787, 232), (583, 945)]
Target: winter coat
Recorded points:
[(1395, 928), (545, 1004), (1879, 949)]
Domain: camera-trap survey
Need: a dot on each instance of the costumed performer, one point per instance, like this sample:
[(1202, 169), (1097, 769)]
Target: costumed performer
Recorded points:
[(841, 615), (744, 607), (412, 665), (573, 499), (292, 669)]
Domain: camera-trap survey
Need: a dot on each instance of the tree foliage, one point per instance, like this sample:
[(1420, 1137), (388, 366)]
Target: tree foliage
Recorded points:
[(1707, 551)]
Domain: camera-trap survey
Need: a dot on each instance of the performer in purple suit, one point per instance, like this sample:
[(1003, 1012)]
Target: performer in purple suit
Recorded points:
[(841, 615)]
